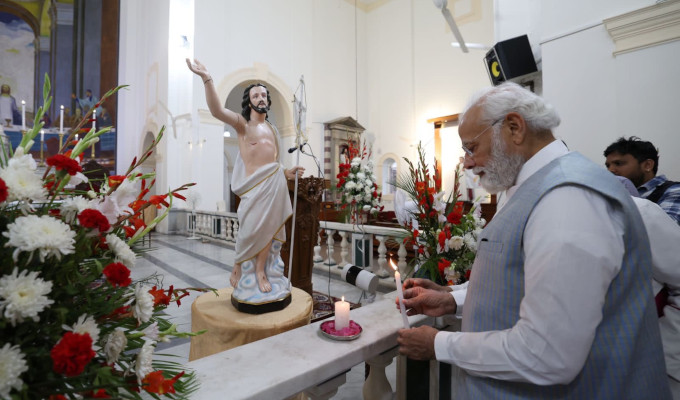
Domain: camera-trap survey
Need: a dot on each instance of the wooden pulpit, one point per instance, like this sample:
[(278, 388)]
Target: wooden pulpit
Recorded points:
[(306, 231)]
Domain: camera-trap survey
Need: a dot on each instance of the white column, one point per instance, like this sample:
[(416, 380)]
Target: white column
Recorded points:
[(382, 259), (343, 249), (327, 389), (402, 257), (329, 246), (377, 386), (317, 249)]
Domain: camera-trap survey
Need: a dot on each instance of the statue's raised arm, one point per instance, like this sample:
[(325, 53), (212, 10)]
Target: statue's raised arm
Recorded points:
[(216, 109)]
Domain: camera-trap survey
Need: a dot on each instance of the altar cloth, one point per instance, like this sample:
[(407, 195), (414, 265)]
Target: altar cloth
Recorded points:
[(229, 328)]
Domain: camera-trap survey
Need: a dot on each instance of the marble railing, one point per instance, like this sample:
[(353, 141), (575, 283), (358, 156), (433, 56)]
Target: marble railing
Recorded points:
[(304, 360), (224, 226)]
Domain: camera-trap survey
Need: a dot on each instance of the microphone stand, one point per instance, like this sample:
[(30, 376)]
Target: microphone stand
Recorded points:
[(298, 146)]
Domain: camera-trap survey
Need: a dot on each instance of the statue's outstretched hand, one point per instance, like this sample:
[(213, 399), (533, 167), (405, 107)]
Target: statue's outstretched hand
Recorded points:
[(197, 68)]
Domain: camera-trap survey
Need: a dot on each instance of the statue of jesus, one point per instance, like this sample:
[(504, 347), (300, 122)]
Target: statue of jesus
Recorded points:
[(258, 178)]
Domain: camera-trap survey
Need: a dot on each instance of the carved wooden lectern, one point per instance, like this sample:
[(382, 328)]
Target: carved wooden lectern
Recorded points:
[(306, 230)]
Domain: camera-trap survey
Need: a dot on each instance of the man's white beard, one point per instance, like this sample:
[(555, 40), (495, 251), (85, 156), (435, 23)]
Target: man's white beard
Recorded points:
[(502, 168)]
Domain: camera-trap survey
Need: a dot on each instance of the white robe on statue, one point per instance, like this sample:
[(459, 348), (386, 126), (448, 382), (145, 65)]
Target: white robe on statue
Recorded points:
[(264, 208)]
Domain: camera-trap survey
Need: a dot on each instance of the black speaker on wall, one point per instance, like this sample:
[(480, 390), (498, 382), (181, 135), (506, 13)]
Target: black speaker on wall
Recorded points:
[(510, 59)]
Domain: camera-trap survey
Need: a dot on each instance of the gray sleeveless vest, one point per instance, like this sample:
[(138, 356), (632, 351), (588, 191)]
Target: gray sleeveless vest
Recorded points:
[(626, 360)]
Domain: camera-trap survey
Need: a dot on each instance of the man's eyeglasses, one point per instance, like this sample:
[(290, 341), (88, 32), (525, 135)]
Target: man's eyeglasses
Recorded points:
[(469, 152)]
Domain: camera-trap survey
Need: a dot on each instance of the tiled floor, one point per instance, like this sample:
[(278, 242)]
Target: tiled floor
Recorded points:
[(182, 262)]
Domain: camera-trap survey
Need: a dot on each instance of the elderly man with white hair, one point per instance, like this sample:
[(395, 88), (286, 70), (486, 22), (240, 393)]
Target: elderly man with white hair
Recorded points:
[(559, 303)]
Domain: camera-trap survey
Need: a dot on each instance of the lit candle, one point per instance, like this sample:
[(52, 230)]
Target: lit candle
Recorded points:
[(341, 314), (61, 120), (76, 137), (94, 119), (400, 294), (23, 115), (42, 135)]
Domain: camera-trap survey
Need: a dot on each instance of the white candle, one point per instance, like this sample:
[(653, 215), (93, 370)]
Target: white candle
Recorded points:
[(341, 314), (94, 120), (23, 115), (400, 295), (42, 135), (76, 137), (61, 119)]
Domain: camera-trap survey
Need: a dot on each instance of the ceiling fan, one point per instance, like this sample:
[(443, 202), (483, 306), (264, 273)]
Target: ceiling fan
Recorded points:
[(441, 5)]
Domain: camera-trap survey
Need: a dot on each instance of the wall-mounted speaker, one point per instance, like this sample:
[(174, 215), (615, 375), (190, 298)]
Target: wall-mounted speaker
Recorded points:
[(510, 59)]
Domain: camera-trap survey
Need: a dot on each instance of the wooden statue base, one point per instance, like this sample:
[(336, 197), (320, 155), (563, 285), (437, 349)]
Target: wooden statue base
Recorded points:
[(251, 308)]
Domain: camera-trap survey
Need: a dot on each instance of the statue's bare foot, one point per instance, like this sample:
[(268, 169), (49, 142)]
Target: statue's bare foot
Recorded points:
[(263, 282), (235, 276)]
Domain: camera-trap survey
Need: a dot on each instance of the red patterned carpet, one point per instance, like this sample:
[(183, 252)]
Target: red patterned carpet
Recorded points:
[(323, 306)]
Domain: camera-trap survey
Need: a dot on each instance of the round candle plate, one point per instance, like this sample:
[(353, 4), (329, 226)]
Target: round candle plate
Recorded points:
[(352, 332)]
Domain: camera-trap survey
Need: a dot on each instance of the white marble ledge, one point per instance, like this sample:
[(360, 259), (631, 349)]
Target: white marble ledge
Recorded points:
[(288, 363)]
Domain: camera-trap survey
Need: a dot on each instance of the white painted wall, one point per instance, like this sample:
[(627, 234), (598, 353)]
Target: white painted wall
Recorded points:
[(600, 97)]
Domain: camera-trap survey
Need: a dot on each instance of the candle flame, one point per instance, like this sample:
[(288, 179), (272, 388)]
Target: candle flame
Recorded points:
[(393, 265), (343, 298), (62, 107)]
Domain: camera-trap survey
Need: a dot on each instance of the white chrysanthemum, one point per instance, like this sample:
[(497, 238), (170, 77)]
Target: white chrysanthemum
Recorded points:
[(456, 242), (470, 241), (358, 197), (366, 208), (368, 189), (50, 236), (23, 295), (368, 182), (359, 186), (152, 332), (350, 185), (85, 324), (22, 180), (350, 176), (116, 342), (143, 308), (121, 250), (12, 365), (368, 198), (356, 161), (72, 206), (361, 176), (143, 364)]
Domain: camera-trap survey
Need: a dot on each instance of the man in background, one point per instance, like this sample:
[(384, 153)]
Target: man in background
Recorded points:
[(638, 160)]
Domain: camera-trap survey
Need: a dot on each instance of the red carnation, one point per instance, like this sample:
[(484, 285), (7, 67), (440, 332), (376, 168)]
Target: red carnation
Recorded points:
[(456, 215), (63, 163), (91, 218), (3, 190), (117, 274), (72, 354)]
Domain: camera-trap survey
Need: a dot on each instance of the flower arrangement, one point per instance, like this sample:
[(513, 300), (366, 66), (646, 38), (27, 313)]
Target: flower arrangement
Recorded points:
[(443, 235), (73, 322), (357, 184)]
